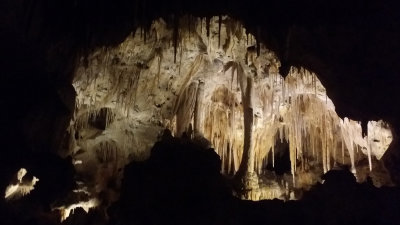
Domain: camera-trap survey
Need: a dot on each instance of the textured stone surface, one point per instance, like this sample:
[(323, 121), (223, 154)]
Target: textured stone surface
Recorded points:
[(126, 95)]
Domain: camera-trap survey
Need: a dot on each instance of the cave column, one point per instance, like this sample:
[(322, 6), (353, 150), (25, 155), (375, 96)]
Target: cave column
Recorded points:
[(247, 164), (245, 175), (197, 109), (246, 178)]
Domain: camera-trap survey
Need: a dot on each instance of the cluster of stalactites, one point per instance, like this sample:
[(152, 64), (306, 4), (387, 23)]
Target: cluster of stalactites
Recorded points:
[(295, 109), (224, 128), (118, 86), (110, 77), (83, 118), (312, 127)]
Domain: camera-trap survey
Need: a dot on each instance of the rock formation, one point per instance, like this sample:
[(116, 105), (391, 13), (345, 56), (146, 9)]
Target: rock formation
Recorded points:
[(214, 82), (90, 86)]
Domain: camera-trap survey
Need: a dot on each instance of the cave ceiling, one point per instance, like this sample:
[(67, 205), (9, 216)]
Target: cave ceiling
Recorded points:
[(353, 46)]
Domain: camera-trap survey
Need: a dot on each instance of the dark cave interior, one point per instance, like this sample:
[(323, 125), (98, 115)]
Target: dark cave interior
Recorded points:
[(353, 46), (281, 158)]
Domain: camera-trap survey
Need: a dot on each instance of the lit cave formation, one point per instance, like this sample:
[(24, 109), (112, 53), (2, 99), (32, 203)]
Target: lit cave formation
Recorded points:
[(193, 120), (222, 89)]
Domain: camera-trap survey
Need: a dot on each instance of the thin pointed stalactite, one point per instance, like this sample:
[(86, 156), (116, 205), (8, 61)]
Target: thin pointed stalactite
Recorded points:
[(219, 30), (208, 26), (369, 155), (180, 59), (175, 35), (258, 39), (189, 25), (144, 35), (201, 25)]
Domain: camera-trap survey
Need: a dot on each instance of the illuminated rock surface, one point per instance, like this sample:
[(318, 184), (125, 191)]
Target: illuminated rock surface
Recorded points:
[(128, 94), (20, 186), (48, 46)]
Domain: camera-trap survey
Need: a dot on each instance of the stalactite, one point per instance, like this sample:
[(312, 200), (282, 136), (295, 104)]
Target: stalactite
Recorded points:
[(369, 154), (175, 35), (351, 152), (334, 146), (193, 69), (189, 20), (324, 150), (156, 80), (180, 60), (185, 109), (145, 35), (229, 151), (208, 26), (292, 152), (201, 25), (258, 39), (342, 152), (219, 30)]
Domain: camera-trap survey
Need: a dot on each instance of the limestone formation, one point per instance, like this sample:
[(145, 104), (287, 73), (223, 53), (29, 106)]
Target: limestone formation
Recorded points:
[(220, 83)]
